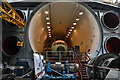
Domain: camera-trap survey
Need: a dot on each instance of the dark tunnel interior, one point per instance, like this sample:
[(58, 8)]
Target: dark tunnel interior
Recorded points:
[(10, 47)]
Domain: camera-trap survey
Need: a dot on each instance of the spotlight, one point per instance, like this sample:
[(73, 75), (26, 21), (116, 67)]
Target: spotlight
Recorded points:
[(72, 27), (80, 13), (46, 12), (49, 32), (74, 23), (69, 32), (48, 27), (47, 18), (48, 22), (77, 19)]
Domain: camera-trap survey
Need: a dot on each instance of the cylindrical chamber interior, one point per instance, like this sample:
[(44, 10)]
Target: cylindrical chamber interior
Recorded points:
[(9, 46), (112, 45), (110, 20), (87, 33)]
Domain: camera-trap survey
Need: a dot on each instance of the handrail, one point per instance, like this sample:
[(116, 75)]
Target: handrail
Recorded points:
[(100, 67), (60, 56), (87, 57), (80, 64)]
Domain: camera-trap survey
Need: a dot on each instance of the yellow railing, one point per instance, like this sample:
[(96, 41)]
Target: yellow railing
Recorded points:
[(10, 15)]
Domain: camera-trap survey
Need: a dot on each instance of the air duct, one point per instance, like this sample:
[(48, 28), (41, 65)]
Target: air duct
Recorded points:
[(110, 20), (10, 47), (112, 45)]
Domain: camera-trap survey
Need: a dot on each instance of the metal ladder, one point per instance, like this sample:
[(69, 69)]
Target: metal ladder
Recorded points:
[(82, 69)]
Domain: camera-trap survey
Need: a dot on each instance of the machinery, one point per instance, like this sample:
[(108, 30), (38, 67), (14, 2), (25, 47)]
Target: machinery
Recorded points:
[(57, 39), (57, 67), (103, 67), (62, 74)]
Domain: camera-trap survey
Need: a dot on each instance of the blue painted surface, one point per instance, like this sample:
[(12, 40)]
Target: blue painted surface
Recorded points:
[(65, 74)]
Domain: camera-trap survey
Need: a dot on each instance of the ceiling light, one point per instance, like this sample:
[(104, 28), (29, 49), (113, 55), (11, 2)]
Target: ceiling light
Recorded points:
[(69, 32), (72, 27), (74, 24), (47, 18), (80, 13), (48, 22), (50, 36), (49, 32), (46, 12), (48, 27), (77, 19)]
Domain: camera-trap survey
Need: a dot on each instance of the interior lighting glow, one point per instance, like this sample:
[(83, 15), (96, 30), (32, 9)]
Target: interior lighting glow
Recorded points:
[(46, 12), (80, 13)]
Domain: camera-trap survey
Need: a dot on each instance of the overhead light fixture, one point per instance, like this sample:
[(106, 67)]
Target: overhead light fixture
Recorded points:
[(69, 32), (46, 12), (48, 27), (77, 19), (47, 18), (50, 36), (49, 32), (74, 23), (80, 13), (48, 22), (72, 27)]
